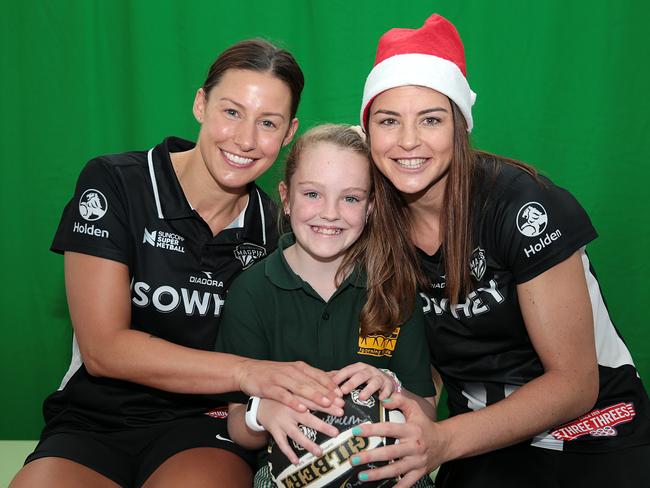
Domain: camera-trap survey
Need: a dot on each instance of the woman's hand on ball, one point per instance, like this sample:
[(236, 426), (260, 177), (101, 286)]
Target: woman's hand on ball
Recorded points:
[(283, 422), (418, 451), (357, 374), (288, 382)]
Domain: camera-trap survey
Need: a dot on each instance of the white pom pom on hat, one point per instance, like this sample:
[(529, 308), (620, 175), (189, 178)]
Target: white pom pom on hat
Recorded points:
[(431, 56)]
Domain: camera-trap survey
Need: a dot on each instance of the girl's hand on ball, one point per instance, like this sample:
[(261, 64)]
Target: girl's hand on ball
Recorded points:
[(283, 422), (357, 374)]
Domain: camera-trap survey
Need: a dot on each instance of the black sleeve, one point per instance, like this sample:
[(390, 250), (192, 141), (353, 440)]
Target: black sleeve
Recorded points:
[(95, 220), (536, 225)]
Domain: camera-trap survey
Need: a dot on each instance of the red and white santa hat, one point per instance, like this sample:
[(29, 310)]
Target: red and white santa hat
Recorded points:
[(432, 56)]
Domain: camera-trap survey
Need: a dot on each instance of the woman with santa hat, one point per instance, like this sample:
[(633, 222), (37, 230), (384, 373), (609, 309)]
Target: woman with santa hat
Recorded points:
[(542, 390)]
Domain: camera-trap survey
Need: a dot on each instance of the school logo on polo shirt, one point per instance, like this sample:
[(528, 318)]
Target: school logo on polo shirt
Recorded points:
[(378, 345), (248, 253)]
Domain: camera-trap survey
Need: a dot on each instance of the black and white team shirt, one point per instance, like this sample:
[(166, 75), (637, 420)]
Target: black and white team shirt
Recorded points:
[(523, 227), (130, 208)]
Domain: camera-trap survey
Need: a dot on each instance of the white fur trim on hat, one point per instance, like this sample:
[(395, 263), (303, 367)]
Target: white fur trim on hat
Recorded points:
[(421, 70)]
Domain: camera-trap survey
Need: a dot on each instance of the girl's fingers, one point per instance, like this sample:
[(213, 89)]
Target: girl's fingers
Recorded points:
[(374, 384), (296, 434), (319, 425), (358, 378), (346, 372), (386, 390), (282, 443)]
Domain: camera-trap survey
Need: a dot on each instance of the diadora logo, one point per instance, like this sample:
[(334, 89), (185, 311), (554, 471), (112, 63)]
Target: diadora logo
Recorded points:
[(378, 345), (248, 253), (164, 240), (92, 205), (440, 282), (206, 280), (477, 263), (532, 219)]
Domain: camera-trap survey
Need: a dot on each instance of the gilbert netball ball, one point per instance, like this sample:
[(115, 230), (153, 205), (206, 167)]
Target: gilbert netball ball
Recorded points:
[(333, 467)]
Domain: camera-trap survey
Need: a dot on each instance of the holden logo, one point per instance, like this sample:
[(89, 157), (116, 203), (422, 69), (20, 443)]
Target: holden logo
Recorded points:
[(532, 219), (92, 205), (477, 263)]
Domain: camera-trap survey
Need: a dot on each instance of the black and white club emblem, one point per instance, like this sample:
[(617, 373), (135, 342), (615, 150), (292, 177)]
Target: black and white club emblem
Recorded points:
[(248, 253), (477, 263)]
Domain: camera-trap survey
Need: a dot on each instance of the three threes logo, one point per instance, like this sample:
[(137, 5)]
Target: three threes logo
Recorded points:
[(92, 205), (248, 253), (532, 219)]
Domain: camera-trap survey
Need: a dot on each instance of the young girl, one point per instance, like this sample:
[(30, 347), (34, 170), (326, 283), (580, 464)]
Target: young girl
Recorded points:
[(307, 299)]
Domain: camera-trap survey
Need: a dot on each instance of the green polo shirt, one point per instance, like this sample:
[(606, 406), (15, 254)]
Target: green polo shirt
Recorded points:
[(271, 313)]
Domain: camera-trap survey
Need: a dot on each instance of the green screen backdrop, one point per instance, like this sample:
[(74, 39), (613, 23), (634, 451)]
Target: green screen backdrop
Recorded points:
[(561, 85)]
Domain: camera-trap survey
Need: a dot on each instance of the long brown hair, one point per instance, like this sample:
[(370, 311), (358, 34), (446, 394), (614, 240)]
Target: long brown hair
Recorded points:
[(458, 207), (383, 250), (390, 260)]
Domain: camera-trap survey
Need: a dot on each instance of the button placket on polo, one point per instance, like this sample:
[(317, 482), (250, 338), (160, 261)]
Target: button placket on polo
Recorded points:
[(326, 330)]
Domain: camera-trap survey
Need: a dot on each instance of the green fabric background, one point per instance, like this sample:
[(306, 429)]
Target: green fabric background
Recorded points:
[(561, 85)]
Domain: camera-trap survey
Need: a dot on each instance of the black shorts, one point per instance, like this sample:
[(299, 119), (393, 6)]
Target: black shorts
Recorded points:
[(129, 457), (525, 466)]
